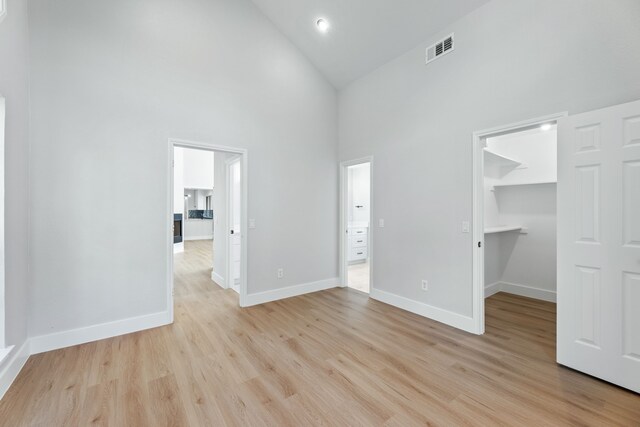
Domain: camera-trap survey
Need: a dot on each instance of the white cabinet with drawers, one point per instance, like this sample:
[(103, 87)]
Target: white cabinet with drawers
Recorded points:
[(358, 244)]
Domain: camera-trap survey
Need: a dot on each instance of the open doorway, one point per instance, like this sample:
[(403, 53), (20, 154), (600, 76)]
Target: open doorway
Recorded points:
[(208, 215), (356, 220), (515, 261)]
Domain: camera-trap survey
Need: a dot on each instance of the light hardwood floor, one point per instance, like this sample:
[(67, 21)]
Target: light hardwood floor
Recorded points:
[(358, 276), (332, 358)]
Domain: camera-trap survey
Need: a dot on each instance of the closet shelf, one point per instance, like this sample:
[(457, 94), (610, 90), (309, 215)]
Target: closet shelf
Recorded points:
[(502, 229), (524, 183), (495, 159)]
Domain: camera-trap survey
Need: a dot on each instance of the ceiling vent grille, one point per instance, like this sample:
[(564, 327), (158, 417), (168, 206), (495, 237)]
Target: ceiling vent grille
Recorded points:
[(440, 48)]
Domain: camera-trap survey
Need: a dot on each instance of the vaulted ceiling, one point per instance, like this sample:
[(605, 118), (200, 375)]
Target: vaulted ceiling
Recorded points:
[(363, 34)]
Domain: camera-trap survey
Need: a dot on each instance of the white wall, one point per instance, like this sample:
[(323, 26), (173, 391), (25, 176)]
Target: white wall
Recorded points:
[(14, 87), (528, 259), (491, 213), (537, 151), (192, 169), (111, 82), (494, 263), (220, 217), (198, 169), (178, 180), (358, 193), (512, 61)]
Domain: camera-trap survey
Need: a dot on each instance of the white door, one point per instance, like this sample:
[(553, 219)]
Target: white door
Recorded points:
[(235, 221), (599, 244)]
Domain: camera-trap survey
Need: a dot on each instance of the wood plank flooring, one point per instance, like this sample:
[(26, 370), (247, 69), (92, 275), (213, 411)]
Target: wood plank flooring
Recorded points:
[(333, 358)]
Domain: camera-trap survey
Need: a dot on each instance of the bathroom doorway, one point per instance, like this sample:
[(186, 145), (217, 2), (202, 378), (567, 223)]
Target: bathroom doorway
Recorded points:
[(356, 224)]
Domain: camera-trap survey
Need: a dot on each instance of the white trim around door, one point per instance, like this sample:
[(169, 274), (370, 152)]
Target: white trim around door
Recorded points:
[(479, 143), (244, 159), (344, 214)]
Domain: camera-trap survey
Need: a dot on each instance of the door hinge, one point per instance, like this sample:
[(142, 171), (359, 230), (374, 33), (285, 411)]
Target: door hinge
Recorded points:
[(479, 244)]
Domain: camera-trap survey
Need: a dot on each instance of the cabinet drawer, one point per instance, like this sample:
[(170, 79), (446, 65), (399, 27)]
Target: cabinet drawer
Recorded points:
[(360, 231), (359, 241), (357, 254)]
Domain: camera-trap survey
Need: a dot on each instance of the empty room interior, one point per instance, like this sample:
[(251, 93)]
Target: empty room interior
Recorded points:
[(297, 213)]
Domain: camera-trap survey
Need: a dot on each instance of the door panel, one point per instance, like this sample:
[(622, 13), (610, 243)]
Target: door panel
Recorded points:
[(588, 203), (631, 325), (235, 219), (599, 244), (588, 286), (632, 131), (631, 203)]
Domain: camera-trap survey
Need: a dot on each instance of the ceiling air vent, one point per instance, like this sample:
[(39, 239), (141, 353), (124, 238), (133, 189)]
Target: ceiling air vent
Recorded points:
[(440, 48)]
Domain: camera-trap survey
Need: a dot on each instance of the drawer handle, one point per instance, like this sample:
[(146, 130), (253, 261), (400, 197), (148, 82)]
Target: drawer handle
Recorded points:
[(359, 241), (359, 253), (359, 232)]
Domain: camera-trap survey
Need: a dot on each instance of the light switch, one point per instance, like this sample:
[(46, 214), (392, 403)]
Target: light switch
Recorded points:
[(466, 227), (252, 223), (381, 223)]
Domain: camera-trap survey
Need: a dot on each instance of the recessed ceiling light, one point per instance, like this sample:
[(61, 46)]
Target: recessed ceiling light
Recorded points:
[(545, 127), (323, 25)]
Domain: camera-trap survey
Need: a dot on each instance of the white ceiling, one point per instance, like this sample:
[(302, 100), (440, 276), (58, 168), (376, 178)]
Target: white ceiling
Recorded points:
[(364, 34)]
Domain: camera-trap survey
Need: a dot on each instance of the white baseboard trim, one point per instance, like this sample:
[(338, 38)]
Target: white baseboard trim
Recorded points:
[(206, 237), (521, 290), (178, 247), (12, 366), (218, 279), (291, 291), (72, 337), (5, 352), (438, 314), (528, 291), (492, 289)]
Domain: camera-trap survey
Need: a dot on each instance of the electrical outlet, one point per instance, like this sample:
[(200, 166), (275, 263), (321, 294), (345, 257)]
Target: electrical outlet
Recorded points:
[(280, 273), (252, 223), (381, 223), (466, 227), (425, 285)]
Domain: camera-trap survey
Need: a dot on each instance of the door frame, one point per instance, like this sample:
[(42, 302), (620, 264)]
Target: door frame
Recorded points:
[(229, 264), (344, 214), (3, 116), (244, 158), (477, 224)]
